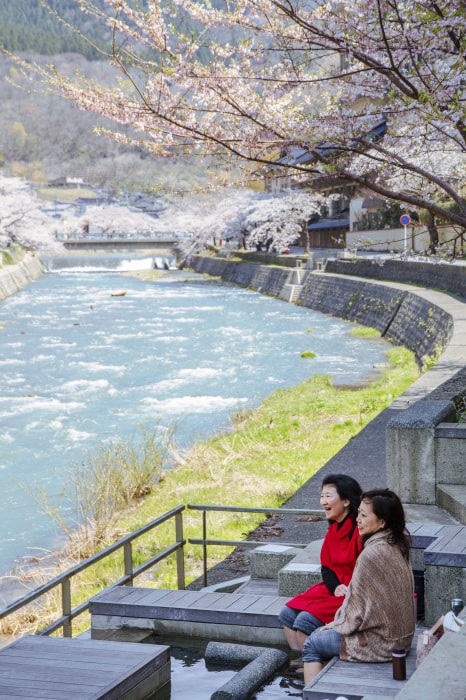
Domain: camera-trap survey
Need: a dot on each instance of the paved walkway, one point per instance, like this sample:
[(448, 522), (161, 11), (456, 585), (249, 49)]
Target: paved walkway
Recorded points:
[(364, 456)]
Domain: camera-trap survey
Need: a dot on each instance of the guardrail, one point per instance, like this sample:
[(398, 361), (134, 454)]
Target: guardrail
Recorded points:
[(204, 541), (125, 544)]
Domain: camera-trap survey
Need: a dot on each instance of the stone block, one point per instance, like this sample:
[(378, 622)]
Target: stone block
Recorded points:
[(266, 561), (441, 584), (452, 497), (302, 572), (410, 439), (451, 453), (296, 578)]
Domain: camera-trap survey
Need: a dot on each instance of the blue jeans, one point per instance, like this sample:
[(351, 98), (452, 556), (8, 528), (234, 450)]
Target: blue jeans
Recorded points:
[(300, 620), (322, 645)]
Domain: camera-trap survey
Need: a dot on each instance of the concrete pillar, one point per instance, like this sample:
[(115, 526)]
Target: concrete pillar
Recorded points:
[(410, 450)]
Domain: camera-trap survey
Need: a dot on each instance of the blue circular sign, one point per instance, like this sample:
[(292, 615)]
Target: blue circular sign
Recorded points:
[(405, 219)]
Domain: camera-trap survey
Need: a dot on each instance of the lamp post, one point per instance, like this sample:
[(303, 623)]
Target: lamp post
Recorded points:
[(405, 219)]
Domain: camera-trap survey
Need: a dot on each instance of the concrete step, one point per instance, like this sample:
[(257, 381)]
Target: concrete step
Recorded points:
[(290, 292), (452, 497)]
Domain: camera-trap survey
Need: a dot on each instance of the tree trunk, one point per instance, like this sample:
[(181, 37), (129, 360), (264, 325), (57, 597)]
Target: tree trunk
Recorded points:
[(433, 232), (307, 246)]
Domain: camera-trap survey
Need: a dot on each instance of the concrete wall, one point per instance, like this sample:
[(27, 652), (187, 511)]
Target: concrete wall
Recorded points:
[(401, 317), (16, 277), (451, 278)]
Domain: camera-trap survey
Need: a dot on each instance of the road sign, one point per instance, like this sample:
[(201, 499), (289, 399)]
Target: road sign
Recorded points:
[(405, 219)]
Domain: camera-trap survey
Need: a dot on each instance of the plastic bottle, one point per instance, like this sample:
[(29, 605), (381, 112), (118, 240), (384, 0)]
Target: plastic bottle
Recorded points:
[(399, 663)]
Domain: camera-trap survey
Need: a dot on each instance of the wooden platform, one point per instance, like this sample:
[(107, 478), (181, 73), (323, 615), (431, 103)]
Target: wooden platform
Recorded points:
[(233, 617), (192, 606), (76, 669), (354, 680)]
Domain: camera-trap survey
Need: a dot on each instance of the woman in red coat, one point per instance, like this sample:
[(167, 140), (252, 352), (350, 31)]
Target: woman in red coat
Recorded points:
[(317, 606)]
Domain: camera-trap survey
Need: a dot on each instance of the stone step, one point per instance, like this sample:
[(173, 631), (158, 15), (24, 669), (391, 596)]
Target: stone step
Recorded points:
[(290, 292), (452, 497)]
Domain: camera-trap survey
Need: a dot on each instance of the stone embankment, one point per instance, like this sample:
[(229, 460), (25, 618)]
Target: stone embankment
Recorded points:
[(448, 277), (401, 316), (13, 278)]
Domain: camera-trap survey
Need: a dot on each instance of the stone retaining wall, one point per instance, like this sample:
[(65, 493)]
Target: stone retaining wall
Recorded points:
[(403, 318), (450, 278), (263, 278), (16, 277)]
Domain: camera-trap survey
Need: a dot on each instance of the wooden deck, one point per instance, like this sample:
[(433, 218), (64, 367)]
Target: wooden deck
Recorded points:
[(76, 669), (354, 680), (237, 609)]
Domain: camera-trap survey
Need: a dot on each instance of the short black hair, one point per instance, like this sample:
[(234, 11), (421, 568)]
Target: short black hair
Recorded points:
[(347, 488)]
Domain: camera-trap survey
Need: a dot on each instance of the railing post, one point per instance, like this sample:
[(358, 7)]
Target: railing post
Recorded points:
[(204, 545), (66, 606), (128, 557), (179, 552)]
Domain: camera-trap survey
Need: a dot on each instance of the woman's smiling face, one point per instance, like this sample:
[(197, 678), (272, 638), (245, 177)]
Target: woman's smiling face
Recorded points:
[(335, 508)]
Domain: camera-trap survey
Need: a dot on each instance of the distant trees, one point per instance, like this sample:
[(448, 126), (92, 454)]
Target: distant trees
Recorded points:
[(242, 217), (26, 25), (21, 218)]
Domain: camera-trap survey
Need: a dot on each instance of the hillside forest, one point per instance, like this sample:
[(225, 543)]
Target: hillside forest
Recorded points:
[(44, 137)]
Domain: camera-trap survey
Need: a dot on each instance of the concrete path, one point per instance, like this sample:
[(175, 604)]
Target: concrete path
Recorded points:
[(364, 456)]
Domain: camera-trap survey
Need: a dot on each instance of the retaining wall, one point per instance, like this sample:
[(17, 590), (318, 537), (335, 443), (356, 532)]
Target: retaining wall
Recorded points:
[(403, 318), (16, 277), (450, 278)]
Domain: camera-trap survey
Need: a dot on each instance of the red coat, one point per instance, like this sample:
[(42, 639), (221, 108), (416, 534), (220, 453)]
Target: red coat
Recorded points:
[(339, 553)]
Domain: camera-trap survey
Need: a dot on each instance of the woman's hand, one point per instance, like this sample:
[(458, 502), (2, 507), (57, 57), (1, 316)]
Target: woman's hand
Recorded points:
[(324, 628), (340, 590)]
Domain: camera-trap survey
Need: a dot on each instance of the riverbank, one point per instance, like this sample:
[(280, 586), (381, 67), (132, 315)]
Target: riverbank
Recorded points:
[(17, 276)]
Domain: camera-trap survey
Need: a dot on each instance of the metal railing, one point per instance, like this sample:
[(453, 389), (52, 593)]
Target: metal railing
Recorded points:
[(204, 541), (130, 572), (63, 581)]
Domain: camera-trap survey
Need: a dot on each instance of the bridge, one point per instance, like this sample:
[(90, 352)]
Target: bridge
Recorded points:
[(162, 243)]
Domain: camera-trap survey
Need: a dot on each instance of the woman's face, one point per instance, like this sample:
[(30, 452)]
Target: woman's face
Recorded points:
[(335, 508), (367, 521)]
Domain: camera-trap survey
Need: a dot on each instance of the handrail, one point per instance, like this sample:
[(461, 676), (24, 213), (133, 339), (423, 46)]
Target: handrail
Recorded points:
[(247, 543), (130, 572), (64, 579)]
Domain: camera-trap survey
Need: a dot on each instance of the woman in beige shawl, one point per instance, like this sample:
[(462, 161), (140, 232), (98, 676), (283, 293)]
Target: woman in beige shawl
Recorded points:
[(378, 612)]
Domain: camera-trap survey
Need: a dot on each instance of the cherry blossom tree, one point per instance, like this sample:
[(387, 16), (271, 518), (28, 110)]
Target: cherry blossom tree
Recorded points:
[(22, 220), (111, 219), (239, 216), (280, 221), (371, 90)]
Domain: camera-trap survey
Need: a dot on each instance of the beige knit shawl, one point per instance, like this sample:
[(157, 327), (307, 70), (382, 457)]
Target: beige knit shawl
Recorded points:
[(378, 610)]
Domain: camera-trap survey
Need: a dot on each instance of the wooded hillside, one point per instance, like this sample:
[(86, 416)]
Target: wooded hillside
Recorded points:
[(25, 25)]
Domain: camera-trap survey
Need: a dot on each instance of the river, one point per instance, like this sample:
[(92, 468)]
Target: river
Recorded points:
[(80, 366)]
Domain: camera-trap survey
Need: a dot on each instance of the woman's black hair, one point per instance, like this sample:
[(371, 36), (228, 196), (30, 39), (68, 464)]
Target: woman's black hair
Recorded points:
[(347, 488), (388, 507)]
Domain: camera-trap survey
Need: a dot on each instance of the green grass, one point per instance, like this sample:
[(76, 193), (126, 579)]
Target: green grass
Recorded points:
[(365, 332)]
